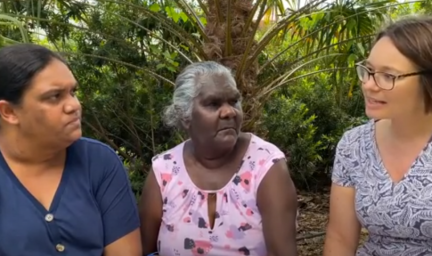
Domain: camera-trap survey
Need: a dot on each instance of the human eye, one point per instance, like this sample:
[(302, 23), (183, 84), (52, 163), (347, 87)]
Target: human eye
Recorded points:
[(54, 97), (388, 77), (233, 102), (212, 104)]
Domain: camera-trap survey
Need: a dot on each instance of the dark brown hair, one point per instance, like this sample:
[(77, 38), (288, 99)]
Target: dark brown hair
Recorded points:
[(412, 36), (18, 66)]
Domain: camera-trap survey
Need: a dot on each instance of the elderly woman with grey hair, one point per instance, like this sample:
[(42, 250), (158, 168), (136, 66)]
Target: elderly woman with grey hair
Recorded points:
[(222, 191)]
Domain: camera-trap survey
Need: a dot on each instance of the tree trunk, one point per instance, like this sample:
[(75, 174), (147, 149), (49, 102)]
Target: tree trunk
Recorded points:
[(227, 44)]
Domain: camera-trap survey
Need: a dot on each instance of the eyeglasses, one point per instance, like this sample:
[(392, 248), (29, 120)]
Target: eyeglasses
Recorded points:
[(383, 80)]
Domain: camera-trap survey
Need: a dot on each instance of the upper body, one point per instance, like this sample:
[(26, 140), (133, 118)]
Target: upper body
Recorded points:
[(92, 207), (185, 226), (395, 214), (59, 193), (214, 194), (382, 169)]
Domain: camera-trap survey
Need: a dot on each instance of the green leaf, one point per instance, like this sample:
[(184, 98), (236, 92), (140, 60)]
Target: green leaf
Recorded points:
[(203, 20), (172, 13), (361, 48), (155, 7), (352, 58), (184, 17)]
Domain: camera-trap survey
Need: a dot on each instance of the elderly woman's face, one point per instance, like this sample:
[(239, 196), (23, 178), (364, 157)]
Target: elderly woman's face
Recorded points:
[(217, 116)]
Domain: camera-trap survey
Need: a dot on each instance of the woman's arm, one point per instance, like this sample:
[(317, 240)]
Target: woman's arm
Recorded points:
[(119, 209), (343, 229), (150, 210), (128, 245), (277, 203)]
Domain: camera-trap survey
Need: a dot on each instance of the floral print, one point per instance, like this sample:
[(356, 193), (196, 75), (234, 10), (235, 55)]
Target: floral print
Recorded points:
[(185, 228), (398, 216)]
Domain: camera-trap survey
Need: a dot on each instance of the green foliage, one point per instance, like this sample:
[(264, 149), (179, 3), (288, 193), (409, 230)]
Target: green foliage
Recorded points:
[(307, 120), (296, 72), (292, 127)]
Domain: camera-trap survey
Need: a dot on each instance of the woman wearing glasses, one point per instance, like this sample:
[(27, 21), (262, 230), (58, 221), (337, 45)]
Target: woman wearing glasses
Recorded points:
[(382, 176)]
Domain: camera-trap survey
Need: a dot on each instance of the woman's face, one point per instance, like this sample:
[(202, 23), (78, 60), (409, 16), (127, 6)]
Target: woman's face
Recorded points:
[(406, 97), (49, 111), (216, 116)]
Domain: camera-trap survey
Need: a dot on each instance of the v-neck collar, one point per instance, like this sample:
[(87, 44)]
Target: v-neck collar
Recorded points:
[(59, 191), (378, 159)]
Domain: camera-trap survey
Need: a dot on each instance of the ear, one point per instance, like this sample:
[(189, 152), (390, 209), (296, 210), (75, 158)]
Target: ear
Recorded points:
[(8, 112)]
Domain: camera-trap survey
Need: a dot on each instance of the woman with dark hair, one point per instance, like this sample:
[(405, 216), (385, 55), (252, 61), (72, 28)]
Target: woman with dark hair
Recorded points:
[(223, 192), (60, 194), (382, 175)]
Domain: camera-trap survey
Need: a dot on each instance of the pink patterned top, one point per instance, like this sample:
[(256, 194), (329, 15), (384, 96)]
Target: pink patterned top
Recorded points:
[(185, 223)]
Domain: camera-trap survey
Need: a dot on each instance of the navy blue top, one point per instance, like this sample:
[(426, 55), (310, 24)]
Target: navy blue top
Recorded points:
[(93, 207)]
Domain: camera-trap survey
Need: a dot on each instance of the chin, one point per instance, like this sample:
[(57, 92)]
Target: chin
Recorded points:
[(377, 114), (77, 134), (73, 136), (227, 141)]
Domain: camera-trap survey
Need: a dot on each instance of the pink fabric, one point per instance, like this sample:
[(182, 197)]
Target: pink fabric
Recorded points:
[(237, 230)]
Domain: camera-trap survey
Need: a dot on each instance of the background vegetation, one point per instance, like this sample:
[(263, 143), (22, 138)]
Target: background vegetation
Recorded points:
[(293, 62)]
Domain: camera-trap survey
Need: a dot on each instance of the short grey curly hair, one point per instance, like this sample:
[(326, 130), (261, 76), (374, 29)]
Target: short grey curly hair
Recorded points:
[(187, 88)]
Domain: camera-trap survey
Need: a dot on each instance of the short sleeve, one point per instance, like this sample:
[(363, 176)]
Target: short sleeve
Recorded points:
[(266, 164), (115, 198), (162, 167), (275, 155), (341, 173)]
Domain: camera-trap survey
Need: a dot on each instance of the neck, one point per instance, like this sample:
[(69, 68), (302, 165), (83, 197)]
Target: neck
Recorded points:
[(212, 157), (411, 128), (21, 149)]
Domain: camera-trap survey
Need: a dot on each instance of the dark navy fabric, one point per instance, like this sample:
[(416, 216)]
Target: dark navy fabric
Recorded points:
[(93, 207)]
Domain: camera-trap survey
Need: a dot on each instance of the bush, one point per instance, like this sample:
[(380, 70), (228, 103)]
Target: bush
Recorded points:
[(306, 120)]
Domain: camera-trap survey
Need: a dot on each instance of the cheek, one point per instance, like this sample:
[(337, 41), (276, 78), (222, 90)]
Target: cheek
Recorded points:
[(406, 96), (33, 121), (240, 114), (43, 118), (201, 117), (52, 116)]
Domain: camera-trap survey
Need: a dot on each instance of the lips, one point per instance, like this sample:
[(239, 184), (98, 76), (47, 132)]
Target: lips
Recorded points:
[(374, 104), (74, 120), (227, 128), (375, 101)]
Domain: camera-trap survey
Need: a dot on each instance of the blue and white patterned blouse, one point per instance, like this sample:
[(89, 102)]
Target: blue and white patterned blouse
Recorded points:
[(398, 216)]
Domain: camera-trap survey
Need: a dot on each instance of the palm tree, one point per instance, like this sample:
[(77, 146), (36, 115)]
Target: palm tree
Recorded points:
[(227, 31), (230, 37)]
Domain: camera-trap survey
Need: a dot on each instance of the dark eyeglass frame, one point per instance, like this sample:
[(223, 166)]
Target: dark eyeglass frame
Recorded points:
[(394, 77)]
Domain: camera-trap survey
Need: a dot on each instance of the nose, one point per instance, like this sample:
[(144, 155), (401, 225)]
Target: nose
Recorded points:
[(72, 105), (227, 111)]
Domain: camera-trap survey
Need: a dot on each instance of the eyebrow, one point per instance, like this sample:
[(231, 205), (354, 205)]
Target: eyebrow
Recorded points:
[(57, 88), (383, 68), (219, 97)]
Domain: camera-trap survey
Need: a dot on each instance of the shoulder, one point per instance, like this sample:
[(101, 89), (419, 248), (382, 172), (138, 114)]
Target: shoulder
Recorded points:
[(262, 148), (265, 156), (96, 158), (170, 155), (357, 134), (351, 152), (89, 148), (166, 165)]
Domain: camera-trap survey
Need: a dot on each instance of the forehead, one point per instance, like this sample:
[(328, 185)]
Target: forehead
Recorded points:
[(384, 56), (217, 85), (56, 75)]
